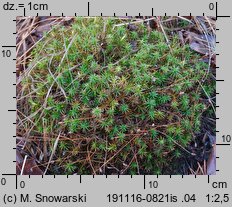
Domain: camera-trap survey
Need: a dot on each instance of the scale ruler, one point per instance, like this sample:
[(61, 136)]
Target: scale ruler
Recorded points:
[(114, 190)]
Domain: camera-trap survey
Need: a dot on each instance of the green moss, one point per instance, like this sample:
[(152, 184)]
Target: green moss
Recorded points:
[(115, 89)]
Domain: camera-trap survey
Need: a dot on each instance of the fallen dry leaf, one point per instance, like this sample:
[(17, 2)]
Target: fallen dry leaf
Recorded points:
[(203, 44), (211, 163), (30, 167)]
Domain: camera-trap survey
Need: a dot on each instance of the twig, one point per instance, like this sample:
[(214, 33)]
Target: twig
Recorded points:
[(208, 97), (55, 79), (53, 152), (90, 162), (167, 40), (67, 49), (24, 162), (193, 154), (126, 56), (183, 18), (135, 22), (118, 151)]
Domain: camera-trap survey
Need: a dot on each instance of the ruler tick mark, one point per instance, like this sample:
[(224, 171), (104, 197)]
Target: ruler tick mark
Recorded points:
[(8, 46), (16, 182), (216, 10), (223, 144), (144, 181), (223, 16)]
